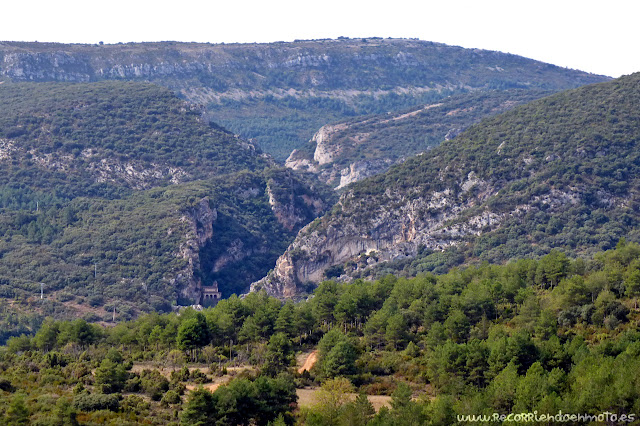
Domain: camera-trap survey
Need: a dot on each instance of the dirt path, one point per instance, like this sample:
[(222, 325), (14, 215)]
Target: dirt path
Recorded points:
[(211, 387), (309, 362)]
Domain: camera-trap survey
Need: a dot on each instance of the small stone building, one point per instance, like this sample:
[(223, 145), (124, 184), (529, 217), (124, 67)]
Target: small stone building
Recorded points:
[(210, 295)]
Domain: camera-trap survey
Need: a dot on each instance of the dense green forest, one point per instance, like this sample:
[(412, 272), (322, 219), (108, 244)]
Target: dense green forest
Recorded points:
[(550, 335)]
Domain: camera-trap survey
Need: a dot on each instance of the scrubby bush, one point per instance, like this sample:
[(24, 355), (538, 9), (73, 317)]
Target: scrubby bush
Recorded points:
[(96, 401)]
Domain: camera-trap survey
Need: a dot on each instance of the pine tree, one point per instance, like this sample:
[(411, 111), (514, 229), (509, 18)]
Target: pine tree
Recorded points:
[(279, 354), (200, 409)]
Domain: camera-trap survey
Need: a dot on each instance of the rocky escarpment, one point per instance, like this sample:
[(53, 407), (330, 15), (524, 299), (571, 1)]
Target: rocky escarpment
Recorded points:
[(330, 159), (549, 174), (299, 160), (344, 153), (359, 170), (386, 234), (357, 236), (258, 215), (56, 65), (325, 152), (199, 241), (199, 222), (319, 64), (217, 245), (293, 210)]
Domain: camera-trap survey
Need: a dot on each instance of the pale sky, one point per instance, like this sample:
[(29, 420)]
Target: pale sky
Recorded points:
[(601, 37)]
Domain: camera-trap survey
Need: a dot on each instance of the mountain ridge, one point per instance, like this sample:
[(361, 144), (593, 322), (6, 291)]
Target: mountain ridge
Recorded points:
[(280, 93)]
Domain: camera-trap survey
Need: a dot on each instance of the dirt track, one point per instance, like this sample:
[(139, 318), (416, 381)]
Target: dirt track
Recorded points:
[(309, 362)]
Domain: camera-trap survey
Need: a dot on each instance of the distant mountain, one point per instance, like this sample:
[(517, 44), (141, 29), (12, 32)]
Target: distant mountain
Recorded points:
[(280, 94), (121, 194), (349, 151), (560, 172)]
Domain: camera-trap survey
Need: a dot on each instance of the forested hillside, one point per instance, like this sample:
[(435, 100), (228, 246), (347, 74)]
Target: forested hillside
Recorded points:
[(120, 196), (560, 172), (550, 336), (280, 94), (117, 135)]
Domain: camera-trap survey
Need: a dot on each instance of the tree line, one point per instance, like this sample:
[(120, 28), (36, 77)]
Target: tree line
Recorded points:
[(553, 334)]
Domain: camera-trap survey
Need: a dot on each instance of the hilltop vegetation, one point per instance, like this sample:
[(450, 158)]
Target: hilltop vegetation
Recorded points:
[(279, 94), (552, 335)]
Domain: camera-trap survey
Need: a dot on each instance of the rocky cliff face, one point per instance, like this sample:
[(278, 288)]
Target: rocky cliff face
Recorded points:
[(257, 217), (388, 233), (330, 162), (47, 66), (294, 211), (299, 160), (359, 170), (200, 221), (319, 64), (211, 255), (356, 240), (325, 151)]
